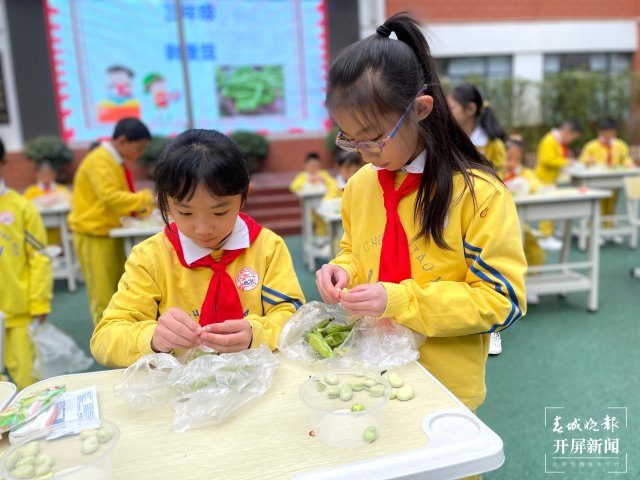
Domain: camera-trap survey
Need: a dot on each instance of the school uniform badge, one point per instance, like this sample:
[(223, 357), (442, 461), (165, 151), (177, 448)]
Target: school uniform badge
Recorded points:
[(7, 218), (247, 279)]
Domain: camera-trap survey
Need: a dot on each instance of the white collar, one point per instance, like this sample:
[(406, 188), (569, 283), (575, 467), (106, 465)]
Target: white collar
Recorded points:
[(604, 142), (3, 187), (108, 146), (417, 166), (556, 134), (41, 186), (238, 239), (479, 137), (341, 182)]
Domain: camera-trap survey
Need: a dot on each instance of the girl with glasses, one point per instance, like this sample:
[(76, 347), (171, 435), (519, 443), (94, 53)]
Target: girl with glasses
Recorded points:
[(432, 238)]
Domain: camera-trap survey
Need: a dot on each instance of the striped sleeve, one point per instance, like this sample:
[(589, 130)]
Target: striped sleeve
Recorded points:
[(492, 295)]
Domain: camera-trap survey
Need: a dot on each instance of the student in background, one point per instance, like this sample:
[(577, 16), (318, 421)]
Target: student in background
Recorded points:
[(25, 276), (47, 192), (312, 176), (213, 277), (478, 120), (553, 156), (347, 168), (103, 193), (607, 151)]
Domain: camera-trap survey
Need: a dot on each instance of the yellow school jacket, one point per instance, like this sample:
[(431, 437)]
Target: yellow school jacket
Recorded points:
[(302, 179), (455, 297), (155, 280), (619, 150), (551, 159), (25, 273), (34, 191), (101, 195), (495, 152)]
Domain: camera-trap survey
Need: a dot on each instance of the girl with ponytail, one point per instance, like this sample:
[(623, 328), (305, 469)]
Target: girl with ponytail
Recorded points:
[(432, 238)]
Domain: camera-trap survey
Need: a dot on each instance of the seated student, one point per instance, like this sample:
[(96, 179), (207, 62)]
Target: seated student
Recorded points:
[(25, 277), (103, 192), (313, 175), (347, 168), (213, 277), (553, 156), (47, 192), (607, 151)]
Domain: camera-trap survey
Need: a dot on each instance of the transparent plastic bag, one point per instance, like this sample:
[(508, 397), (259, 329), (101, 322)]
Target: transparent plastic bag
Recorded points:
[(203, 386), (372, 343), (56, 353)]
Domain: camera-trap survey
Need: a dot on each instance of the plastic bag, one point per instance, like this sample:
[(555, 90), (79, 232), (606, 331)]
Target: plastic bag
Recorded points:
[(56, 352), (203, 386), (375, 343)]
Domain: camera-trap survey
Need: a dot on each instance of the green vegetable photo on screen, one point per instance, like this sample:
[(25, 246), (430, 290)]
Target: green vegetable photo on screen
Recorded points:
[(250, 90)]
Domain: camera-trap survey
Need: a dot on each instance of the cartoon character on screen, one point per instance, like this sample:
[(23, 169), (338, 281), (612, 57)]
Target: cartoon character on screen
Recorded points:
[(156, 85), (120, 102)]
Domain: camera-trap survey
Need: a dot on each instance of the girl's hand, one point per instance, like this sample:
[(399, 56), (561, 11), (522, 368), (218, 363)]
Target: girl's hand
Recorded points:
[(228, 336), (368, 300), (176, 329), (40, 318), (330, 279)]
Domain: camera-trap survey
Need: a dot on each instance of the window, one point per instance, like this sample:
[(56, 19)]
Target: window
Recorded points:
[(458, 69), (592, 62)]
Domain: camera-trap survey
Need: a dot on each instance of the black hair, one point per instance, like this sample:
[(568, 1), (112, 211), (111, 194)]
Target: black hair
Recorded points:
[(132, 128), (466, 94), (573, 125), (377, 77), (514, 142), (120, 68), (607, 123), (2, 152), (352, 159), (312, 156), (204, 157)]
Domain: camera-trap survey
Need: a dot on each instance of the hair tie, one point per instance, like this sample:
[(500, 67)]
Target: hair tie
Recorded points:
[(383, 31), (486, 104)]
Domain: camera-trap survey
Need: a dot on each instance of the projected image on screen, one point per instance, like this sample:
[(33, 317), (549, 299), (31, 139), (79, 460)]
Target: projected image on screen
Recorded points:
[(240, 75), (250, 90)]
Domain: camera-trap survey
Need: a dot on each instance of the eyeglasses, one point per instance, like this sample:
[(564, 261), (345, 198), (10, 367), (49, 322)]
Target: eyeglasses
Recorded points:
[(376, 146)]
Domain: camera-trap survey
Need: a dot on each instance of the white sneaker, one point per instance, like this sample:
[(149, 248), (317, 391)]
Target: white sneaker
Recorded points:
[(618, 240), (495, 346), (550, 243), (533, 299)]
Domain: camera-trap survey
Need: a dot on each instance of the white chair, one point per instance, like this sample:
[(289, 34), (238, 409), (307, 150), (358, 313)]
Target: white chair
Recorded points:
[(632, 191)]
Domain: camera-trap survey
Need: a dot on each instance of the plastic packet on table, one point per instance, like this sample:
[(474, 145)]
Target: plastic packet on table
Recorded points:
[(203, 387), (56, 352), (154, 219), (28, 407), (372, 342)]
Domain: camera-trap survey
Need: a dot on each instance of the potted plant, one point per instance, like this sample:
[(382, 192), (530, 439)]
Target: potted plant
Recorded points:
[(254, 146), (52, 149), (151, 155)]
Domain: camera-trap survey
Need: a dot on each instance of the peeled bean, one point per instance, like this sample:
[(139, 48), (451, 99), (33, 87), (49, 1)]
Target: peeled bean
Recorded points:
[(42, 470), (395, 380), (30, 449), (377, 391), (13, 459), (90, 445), (370, 382), (346, 393), (333, 392), (393, 394), (88, 433), (44, 460), (26, 461), (370, 434), (104, 435), (357, 407), (27, 471), (331, 380), (405, 393), (321, 386), (356, 384)]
